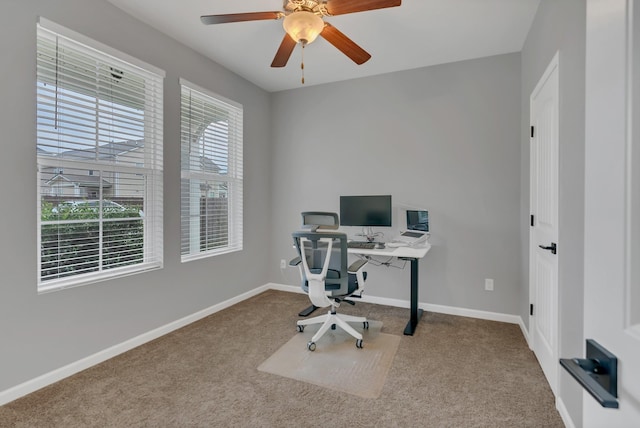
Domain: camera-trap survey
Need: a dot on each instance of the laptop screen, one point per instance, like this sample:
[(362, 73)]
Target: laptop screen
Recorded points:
[(418, 220)]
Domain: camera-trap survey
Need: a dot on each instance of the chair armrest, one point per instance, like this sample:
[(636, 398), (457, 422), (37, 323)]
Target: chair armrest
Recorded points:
[(356, 266), (295, 262)]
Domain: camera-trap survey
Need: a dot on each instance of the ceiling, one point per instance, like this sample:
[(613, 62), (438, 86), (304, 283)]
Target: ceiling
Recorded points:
[(416, 34)]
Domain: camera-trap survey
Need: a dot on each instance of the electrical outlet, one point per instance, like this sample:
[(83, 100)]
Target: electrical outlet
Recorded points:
[(283, 264), (488, 284)]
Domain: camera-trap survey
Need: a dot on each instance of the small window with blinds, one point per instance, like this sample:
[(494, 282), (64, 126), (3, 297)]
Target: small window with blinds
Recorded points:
[(99, 151), (211, 186)]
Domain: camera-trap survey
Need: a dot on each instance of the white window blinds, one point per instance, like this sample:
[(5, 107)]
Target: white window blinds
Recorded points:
[(99, 150), (211, 187)]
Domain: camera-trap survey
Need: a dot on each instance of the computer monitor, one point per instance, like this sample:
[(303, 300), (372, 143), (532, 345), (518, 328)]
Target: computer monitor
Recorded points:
[(366, 211), (418, 220)]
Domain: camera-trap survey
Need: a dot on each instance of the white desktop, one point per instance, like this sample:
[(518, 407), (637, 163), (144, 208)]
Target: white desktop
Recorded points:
[(411, 244)]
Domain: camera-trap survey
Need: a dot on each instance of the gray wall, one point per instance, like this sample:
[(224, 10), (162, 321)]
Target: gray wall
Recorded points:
[(560, 25), (449, 138), (445, 138), (40, 333)]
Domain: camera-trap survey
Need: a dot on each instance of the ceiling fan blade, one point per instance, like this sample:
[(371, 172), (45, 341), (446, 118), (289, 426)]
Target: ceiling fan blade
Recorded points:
[(340, 7), (284, 51), (347, 46), (240, 17)]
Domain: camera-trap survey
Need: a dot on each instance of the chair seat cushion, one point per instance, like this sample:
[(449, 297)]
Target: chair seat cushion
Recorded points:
[(334, 274)]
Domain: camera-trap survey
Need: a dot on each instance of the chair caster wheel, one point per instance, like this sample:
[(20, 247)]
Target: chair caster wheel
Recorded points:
[(359, 343), (311, 346), (333, 326), (300, 328), (365, 325)]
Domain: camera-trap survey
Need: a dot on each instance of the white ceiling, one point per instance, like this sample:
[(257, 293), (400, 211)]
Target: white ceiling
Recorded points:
[(416, 34)]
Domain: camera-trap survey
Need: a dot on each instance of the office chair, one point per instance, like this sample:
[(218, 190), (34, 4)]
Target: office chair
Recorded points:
[(322, 260)]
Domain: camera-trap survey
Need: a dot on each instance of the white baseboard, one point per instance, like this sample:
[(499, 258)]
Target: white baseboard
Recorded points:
[(525, 332), (46, 379), (450, 310), (56, 375), (471, 313), (287, 288), (564, 413)]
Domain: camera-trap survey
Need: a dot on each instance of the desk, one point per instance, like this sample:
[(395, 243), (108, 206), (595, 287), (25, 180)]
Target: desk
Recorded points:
[(413, 254)]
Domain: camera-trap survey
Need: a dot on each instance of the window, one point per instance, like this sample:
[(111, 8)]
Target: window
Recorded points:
[(211, 196), (99, 151)]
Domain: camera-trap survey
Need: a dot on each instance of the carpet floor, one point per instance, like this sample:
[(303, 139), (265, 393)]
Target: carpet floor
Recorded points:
[(454, 372)]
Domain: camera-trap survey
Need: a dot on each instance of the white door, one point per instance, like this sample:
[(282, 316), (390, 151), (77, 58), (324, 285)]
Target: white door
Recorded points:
[(543, 233), (612, 199)]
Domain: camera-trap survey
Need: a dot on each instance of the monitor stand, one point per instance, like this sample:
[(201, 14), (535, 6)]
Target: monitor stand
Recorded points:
[(368, 234)]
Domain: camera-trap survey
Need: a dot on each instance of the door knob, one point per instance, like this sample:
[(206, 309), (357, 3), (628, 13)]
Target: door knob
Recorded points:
[(553, 248)]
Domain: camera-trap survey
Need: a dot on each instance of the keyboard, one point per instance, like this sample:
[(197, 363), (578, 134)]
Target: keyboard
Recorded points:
[(363, 245)]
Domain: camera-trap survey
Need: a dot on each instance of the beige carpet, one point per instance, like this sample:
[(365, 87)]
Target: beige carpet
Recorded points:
[(336, 363), (454, 372)]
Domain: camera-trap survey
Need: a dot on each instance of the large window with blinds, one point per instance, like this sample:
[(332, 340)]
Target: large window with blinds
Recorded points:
[(211, 186), (99, 152)]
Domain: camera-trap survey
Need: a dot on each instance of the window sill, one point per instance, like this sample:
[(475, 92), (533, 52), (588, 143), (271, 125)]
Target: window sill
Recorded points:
[(211, 253), (92, 278)]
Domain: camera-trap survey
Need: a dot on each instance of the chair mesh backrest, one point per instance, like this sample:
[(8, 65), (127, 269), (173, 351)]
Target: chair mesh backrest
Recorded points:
[(315, 252)]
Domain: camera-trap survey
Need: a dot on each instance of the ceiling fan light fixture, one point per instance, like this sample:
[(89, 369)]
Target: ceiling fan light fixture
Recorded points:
[(303, 26)]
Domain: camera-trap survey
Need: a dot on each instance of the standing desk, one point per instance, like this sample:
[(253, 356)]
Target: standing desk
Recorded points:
[(413, 254)]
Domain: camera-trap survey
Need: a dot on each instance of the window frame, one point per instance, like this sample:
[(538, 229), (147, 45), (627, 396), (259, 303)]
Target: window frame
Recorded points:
[(152, 174), (190, 134)]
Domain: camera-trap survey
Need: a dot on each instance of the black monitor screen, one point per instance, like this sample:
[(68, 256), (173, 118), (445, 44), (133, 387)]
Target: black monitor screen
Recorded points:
[(418, 220), (365, 210)]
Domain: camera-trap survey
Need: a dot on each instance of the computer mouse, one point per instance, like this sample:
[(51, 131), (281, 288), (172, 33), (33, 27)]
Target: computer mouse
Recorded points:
[(380, 245)]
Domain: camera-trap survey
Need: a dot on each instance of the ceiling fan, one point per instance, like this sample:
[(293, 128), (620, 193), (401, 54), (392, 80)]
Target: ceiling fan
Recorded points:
[(303, 23)]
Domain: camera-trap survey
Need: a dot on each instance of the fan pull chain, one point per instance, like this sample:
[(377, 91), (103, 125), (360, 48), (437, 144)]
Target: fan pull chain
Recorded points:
[(302, 63)]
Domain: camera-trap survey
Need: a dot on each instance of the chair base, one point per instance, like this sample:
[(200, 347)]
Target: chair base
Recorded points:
[(307, 311), (332, 318)]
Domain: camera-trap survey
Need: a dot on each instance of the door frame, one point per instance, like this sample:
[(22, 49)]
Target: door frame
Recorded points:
[(611, 137)]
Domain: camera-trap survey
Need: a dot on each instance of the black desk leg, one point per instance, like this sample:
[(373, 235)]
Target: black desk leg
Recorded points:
[(416, 313)]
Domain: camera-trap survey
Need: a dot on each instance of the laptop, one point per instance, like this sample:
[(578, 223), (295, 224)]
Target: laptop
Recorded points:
[(417, 230)]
